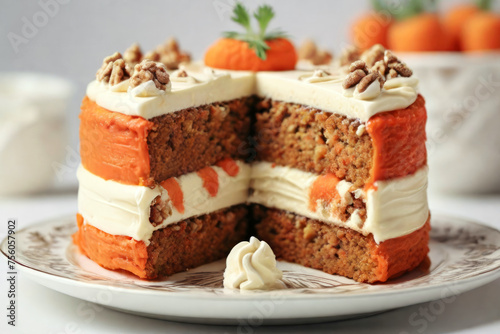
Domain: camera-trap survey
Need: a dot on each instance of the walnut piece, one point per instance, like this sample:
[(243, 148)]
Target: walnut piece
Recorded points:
[(159, 211), (380, 67), (392, 74), (169, 54), (148, 70), (113, 70), (373, 55), (133, 55), (182, 74), (361, 77), (358, 65), (368, 80), (121, 72), (353, 79), (309, 51), (391, 67), (402, 69), (357, 71), (389, 57), (321, 73), (152, 55), (349, 55)]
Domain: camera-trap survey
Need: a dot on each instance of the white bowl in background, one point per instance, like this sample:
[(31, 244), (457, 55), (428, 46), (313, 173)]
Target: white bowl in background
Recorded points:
[(462, 93), (33, 130)]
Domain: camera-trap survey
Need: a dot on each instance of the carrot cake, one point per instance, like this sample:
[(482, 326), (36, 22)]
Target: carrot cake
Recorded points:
[(181, 161)]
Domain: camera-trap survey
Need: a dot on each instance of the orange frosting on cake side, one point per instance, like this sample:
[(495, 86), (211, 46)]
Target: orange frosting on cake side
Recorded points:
[(114, 146), (387, 253), (210, 180), (175, 193), (398, 139), (111, 251), (324, 188), (229, 166)]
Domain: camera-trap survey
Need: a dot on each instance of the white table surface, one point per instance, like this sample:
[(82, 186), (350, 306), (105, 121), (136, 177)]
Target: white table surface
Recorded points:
[(41, 310)]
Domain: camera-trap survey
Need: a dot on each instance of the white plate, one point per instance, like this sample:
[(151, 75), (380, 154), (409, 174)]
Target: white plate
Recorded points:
[(464, 255)]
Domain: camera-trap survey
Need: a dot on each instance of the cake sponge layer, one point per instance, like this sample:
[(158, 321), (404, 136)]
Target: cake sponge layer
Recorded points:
[(191, 139), (338, 250), (133, 150), (389, 145)]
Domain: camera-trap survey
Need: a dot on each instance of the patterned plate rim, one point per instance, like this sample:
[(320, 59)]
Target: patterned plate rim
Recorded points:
[(486, 275)]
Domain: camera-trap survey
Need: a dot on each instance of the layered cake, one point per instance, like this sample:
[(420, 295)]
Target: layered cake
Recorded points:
[(181, 161)]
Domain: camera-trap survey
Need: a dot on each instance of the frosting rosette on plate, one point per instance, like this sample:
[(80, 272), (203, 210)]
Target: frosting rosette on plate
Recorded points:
[(252, 266)]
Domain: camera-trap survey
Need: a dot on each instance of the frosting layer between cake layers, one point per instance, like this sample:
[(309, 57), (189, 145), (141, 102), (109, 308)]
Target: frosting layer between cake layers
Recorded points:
[(204, 86), (394, 208), (122, 209)]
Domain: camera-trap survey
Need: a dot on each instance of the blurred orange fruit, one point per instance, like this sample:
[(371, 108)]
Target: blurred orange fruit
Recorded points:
[(423, 32), (455, 18), (481, 32), (370, 29)]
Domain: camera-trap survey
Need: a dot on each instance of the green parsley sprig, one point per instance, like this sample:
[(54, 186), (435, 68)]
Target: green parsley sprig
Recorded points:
[(255, 40)]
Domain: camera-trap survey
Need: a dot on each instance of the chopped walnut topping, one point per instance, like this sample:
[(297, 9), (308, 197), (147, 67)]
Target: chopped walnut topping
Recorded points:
[(169, 60), (113, 70), (349, 55), (171, 45), (361, 76), (170, 54), (321, 73), (358, 65), (121, 72), (159, 211), (402, 69), (107, 66), (133, 55), (152, 55), (368, 80), (182, 74), (357, 71), (373, 55), (380, 66), (353, 79), (389, 57), (392, 74), (391, 67), (309, 51), (150, 70)]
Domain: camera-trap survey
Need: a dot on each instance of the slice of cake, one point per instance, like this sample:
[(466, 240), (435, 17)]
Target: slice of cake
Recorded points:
[(163, 186), (327, 166), (341, 186)]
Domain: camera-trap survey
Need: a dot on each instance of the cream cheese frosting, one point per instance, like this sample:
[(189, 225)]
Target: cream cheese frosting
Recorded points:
[(122, 209), (394, 208), (317, 88), (207, 87), (327, 94), (252, 266)]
